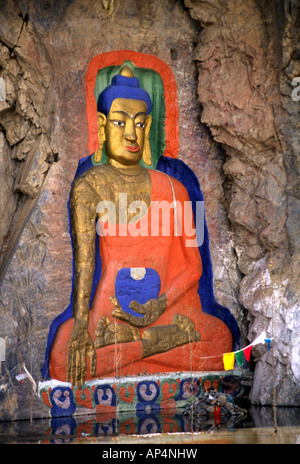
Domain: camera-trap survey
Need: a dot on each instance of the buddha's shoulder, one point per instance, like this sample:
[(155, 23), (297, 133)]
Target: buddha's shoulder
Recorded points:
[(95, 176), (164, 180)]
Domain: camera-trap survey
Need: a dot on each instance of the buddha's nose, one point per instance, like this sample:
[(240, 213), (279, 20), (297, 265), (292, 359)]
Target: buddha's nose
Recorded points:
[(130, 132)]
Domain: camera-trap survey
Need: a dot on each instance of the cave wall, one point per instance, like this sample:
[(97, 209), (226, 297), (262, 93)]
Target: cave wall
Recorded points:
[(233, 63)]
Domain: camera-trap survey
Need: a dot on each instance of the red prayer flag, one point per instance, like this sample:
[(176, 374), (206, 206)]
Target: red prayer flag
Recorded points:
[(247, 352)]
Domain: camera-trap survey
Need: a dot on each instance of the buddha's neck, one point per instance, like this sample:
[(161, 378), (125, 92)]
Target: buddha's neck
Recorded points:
[(128, 170)]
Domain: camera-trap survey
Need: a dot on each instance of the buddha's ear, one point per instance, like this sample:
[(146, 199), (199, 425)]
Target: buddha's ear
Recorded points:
[(147, 150), (101, 120)]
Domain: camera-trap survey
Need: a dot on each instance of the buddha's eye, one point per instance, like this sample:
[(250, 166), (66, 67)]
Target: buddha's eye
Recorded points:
[(117, 123), (141, 125)]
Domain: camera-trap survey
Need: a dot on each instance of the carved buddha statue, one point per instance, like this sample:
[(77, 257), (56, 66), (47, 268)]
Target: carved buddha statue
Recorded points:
[(146, 315)]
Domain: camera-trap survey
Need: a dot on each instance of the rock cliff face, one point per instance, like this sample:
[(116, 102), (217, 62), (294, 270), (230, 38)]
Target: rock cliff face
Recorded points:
[(247, 56), (241, 58)]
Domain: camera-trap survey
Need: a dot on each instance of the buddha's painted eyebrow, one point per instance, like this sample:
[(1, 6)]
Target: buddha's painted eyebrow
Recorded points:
[(130, 115)]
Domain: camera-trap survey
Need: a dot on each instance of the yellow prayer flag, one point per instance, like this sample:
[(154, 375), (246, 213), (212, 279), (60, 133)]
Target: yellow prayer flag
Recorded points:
[(228, 360)]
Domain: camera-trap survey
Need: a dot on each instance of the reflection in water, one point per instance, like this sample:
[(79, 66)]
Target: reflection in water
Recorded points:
[(84, 428), (165, 427), (263, 416)]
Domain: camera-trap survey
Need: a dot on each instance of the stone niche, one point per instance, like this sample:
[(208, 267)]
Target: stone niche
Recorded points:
[(234, 63)]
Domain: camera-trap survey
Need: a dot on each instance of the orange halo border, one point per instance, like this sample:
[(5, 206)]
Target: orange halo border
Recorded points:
[(142, 60)]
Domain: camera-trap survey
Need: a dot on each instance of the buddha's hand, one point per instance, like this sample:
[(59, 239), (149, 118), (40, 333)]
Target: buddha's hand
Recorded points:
[(80, 346), (149, 311)]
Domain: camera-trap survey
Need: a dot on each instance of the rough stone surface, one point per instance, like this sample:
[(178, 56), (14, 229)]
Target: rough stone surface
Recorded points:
[(247, 55), (240, 58)]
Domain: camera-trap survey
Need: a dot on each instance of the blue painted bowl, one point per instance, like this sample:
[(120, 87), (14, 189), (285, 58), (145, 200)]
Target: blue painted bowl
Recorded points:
[(136, 284)]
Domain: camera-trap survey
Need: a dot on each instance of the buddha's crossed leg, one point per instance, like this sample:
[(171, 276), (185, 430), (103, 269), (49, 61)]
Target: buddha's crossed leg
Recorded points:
[(155, 340)]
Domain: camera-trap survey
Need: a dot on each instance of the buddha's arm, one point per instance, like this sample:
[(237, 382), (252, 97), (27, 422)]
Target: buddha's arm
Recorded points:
[(83, 213)]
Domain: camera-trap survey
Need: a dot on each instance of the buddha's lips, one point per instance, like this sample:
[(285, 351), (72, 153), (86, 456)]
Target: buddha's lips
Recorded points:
[(133, 149)]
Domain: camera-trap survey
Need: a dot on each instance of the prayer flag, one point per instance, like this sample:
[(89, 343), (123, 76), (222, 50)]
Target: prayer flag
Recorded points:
[(247, 352), (239, 356), (228, 360), (268, 341), (259, 339)]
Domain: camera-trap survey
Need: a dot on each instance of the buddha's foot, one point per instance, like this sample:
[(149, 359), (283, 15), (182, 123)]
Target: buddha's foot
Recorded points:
[(163, 338), (108, 333)]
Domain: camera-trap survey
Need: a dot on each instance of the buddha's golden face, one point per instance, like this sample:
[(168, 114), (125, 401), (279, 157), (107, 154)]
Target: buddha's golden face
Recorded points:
[(125, 131)]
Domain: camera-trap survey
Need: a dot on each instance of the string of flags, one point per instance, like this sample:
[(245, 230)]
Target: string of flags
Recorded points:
[(240, 355)]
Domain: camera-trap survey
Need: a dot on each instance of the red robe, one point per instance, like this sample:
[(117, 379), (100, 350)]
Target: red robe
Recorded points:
[(179, 268)]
